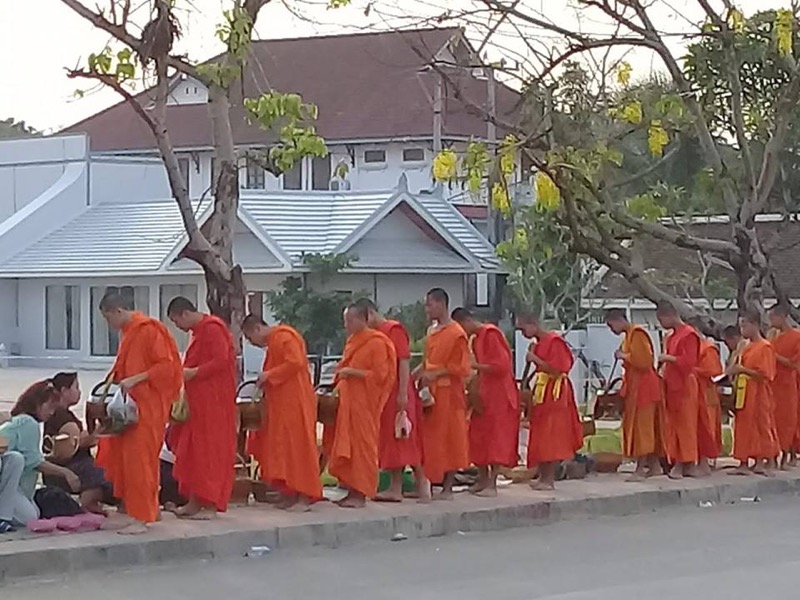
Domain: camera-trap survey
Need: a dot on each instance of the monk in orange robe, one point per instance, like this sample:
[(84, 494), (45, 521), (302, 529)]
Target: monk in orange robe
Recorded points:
[(399, 446), (286, 445), (555, 433), (365, 379), (785, 339), (443, 374), (681, 391), (753, 373), (494, 425), (642, 415), (709, 422), (148, 369), (205, 445)]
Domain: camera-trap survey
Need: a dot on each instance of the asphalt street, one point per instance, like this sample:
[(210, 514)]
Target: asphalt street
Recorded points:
[(743, 551)]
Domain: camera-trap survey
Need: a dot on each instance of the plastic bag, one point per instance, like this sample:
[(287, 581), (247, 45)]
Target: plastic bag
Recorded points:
[(121, 411)]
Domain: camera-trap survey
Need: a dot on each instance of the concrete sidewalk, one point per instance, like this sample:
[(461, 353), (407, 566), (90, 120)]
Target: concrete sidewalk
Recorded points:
[(328, 526)]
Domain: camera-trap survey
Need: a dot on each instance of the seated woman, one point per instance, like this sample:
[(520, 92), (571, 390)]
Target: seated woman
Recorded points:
[(23, 461), (94, 488)]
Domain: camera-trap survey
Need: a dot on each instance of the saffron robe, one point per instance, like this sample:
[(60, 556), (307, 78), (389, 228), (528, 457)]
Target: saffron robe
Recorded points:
[(555, 432), (785, 386), (445, 431), (354, 455), (395, 454), (681, 395), (753, 436), (494, 433), (130, 459), (709, 422), (642, 416), (205, 446), (286, 446)]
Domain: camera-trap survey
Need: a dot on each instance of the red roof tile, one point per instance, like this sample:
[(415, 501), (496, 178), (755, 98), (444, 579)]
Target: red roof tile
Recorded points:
[(366, 86)]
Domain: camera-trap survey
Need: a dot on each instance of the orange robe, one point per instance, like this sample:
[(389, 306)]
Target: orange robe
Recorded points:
[(555, 432), (709, 422), (785, 387), (642, 416), (205, 446), (396, 453), (354, 455), (445, 435), (130, 459), (494, 433), (286, 447), (752, 433), (681, 392)]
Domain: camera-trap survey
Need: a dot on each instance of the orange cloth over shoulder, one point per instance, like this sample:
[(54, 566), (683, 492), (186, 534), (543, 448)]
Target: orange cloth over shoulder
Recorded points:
[(205, 447), (785, 386), (445, 435), (130, 459), (753, 433), (681, 395), (642, 417), (287, 445), (555, 431), (709, 424), (354, 455), (494, 433), (396, 453)]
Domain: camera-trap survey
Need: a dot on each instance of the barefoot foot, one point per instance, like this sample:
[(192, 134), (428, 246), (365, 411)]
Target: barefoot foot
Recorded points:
[(135, 528)]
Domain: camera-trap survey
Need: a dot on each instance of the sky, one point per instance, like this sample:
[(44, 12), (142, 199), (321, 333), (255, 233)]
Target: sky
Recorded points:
[(36, 88)]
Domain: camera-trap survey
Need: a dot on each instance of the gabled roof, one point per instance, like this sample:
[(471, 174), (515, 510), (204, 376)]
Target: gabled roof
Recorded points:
[(146, 238), (366, 86)]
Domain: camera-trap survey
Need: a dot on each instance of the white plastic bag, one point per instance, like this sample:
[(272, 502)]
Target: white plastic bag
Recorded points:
[(122, 412)]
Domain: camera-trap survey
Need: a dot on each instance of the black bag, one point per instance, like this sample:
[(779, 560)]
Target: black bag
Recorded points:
[(55, 502)]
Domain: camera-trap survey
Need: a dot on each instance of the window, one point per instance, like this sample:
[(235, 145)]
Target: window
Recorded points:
[(255, 178), (105, 341), (166, 294), (293, 178), (321, 173), (482, 289), (374, 157), (62, 306), (185, 164), (413, 155)]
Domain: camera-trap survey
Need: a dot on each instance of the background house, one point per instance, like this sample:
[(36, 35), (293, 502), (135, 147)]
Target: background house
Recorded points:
[(77, 225)]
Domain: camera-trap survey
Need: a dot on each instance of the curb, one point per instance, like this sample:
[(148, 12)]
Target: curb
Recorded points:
[(69, 556)]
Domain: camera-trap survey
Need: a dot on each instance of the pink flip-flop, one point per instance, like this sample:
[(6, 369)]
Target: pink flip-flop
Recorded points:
[(68, 524), (91, 521), (41, 526)]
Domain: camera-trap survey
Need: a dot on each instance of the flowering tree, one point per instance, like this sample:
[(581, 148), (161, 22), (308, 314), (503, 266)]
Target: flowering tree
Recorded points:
[(143, 51), (729, 102)]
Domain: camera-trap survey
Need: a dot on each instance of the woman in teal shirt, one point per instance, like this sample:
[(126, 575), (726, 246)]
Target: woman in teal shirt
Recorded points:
[(23, 461)]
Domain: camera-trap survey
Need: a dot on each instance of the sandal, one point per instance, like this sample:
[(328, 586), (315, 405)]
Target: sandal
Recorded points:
[(6, 527)]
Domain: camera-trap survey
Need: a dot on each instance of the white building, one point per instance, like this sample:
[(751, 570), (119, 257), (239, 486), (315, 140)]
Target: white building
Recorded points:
[(73, 225)]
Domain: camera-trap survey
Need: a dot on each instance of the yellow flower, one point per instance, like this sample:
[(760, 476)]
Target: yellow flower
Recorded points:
[(657, 138), (507, 149), (736, 20), (784, 31), (632, 113), (624, 73), (445, 166), (500, 200), (548, 196)]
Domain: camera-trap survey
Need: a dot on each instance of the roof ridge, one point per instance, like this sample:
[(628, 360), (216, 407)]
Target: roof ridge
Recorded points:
[(353, 34)]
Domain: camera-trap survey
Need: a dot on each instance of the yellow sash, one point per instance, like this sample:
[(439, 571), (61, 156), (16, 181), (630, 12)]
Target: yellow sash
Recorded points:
[(741, 390), (540, 381)]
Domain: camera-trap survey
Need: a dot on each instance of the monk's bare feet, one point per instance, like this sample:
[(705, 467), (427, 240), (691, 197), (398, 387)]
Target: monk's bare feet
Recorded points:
[(424, 495), (135, 528), (489, 492), (353, 501), (188, 510), (637, 476), (676, 472), (703, 469), (741, 471), (303, 505), (286, 502), (388, 496), (655, 470), (204, 514), (542, 486), (478, 487), (444, 496)]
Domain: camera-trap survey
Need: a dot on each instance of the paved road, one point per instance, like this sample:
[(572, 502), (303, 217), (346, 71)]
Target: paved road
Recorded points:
[(728, 553)]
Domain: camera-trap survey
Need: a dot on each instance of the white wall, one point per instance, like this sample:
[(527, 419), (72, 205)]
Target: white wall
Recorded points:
[(128, 180), (9, 330)]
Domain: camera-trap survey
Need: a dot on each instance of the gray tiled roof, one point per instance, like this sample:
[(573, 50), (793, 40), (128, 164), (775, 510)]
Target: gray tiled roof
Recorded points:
[(138, 238)]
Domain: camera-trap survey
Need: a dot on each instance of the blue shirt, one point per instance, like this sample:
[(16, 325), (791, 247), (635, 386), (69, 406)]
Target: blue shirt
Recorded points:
[(24, 436)]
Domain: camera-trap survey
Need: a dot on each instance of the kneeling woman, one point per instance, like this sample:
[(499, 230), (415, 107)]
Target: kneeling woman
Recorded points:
[(23, 461), (94, 488)]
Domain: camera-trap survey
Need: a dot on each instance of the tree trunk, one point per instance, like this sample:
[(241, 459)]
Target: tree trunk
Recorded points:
[(752, 271)]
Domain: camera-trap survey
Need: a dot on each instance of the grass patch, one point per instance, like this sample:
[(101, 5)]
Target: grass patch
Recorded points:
[(610, 440)]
